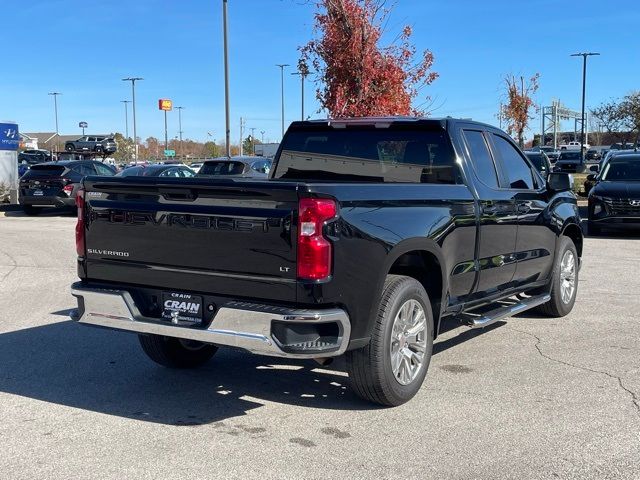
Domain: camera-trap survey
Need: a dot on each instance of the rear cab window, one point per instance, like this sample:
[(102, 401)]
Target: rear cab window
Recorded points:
[(396, 154), (222, 168)]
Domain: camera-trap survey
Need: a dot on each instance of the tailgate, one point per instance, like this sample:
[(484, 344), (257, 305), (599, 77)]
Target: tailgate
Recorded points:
[(224, 237)]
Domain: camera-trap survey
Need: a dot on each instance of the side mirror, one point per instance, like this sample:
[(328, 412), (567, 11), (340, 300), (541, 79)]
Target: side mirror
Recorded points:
[(594, 168), (558, 182), (591, 177)]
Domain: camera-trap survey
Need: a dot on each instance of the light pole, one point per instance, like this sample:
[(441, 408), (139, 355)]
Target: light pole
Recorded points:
[(227, 134), (133, 102), (282, 65), (262, 136), (55, 109), (180, 125), (303, 74), (253, 140), (126, 117), (584, 86)]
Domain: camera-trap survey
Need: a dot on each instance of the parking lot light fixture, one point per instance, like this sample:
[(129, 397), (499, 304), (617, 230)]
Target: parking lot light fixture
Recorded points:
[(133, 81), (126, 117), (584, 56), (282, 67)]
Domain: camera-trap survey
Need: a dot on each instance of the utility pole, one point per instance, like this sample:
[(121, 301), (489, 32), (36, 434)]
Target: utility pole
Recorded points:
[(180, 125), (262, 135), (133, 81), (226, 80), (126, 117), (584, 87), (241, 136), (282, 66), (303, 75)]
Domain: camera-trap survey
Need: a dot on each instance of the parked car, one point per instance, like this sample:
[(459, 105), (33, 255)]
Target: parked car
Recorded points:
[(540, 161), (196, 166), (614, 200), (551, 153), (367, 234), (235, 167), (570, 161), (622, 146), (55, 184), (574, 146), (28, 158), (592, 155), (179, 171), (92, 144)]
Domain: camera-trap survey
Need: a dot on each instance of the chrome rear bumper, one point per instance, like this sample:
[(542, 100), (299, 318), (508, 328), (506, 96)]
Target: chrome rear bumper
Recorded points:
[(237, 324)]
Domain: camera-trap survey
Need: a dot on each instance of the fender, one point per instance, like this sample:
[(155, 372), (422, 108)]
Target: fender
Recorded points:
[(410, 245)]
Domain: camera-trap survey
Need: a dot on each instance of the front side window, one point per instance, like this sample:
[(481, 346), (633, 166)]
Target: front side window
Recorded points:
[(481, 158), (517, 170)]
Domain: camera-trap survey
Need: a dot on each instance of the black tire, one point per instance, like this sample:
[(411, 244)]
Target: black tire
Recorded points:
[(556, 307), (176, 353), (370, 367), (31, 211), (594, 229), (69, 148)]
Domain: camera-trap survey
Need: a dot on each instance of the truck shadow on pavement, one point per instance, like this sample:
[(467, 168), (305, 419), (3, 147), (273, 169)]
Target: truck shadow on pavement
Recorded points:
[(106, 372)]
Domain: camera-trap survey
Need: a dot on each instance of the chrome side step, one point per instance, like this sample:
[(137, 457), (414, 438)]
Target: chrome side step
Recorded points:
[(509, 308)]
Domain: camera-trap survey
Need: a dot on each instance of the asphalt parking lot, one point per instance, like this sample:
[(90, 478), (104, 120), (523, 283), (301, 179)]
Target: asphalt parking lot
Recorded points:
[(528, 398)]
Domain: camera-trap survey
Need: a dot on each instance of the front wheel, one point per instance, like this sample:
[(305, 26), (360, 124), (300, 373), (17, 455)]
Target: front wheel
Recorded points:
[(69, 148), (564, 282), (391, 368), (175, 352)]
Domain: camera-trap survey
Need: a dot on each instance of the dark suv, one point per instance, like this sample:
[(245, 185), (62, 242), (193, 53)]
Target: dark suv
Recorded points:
[(92, 144), (55, 184)]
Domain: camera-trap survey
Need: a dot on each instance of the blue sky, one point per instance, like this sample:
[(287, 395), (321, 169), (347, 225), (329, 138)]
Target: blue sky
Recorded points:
[(83, 49)]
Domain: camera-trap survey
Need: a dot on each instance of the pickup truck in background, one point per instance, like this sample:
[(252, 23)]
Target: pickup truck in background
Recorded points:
[(367, 235)]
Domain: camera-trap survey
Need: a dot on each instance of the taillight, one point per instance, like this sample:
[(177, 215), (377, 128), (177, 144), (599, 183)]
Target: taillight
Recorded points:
[(80, 243), (68, 189), (314, 251)]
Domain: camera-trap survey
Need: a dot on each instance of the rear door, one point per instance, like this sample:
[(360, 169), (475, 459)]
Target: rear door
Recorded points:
[(535, 246), (232, 238), (498, 219)]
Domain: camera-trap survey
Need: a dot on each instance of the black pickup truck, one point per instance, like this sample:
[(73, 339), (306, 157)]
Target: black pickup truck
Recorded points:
[(366, 236)]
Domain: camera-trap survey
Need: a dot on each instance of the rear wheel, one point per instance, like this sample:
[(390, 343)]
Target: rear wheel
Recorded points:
[(391, 368), (564, 283), (29, 210), (175, 352), (69, 148)]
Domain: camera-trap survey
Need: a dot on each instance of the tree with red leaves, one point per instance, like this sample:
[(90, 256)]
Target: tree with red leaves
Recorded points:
[(519, 103), (359, 77)]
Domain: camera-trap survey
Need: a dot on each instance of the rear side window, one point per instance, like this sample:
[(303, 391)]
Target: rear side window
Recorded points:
[(517, 170), (222, 168), (84, 170), (103, 169), (368, 154), (481, 158)]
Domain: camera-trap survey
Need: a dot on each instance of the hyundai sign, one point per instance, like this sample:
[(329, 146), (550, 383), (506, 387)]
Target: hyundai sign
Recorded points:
[(9, 137)]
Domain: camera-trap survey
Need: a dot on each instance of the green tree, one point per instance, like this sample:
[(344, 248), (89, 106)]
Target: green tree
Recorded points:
[(248, 145), (125, 150)]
